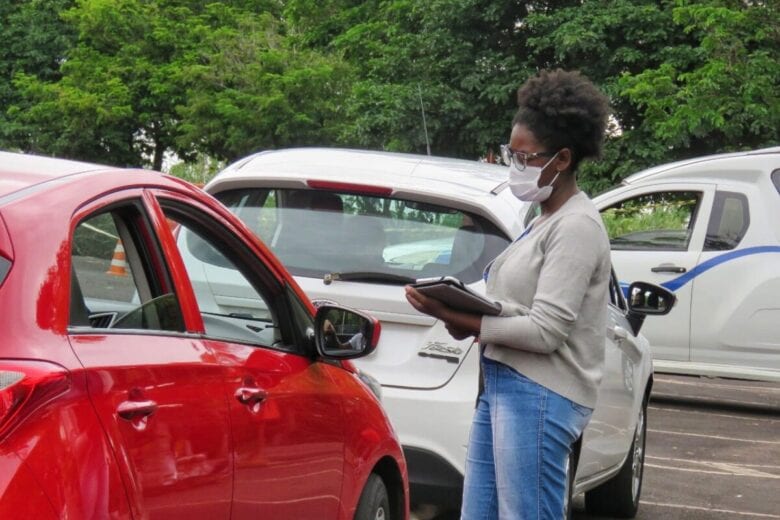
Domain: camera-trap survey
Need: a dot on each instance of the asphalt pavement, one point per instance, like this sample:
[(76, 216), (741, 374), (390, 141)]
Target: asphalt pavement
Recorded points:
[(713, 451)]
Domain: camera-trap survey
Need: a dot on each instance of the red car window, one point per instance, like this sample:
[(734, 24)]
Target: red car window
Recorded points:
[(117, 278), (238, 298)]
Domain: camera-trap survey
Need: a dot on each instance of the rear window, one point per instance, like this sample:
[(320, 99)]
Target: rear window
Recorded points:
[(776, 179), (316, 232), (729, 221)]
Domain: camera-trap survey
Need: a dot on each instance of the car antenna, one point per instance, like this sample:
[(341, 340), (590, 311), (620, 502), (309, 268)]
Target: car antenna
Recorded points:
[(425, 126)]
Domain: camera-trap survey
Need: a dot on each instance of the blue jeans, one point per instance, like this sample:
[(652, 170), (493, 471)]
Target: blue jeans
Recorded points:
[(521, 438)]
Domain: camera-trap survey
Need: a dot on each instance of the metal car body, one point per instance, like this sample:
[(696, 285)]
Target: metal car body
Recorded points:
[(124, 395), (436, 217), (707, 229)]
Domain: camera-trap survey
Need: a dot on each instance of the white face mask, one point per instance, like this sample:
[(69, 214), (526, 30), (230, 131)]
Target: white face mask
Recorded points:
[(524, 184)]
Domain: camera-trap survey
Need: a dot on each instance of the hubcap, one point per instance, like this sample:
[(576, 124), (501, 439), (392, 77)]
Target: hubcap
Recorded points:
[(639, 453)]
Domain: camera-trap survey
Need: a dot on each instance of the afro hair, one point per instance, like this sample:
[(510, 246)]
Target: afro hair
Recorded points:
[(564, 109)]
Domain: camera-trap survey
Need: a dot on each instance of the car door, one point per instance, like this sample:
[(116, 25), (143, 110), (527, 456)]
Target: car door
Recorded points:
[(734, 309), (609, 433), (287, 417), (656, 234), (157, 390)]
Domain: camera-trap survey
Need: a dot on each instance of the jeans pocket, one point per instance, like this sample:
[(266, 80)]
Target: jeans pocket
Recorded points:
[(583, 411)]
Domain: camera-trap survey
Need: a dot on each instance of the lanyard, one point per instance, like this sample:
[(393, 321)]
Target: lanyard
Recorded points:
[(524, 233), (487, 268)]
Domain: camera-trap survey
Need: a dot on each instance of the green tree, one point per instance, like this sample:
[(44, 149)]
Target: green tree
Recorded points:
[(250, 89), (125, 81), (199, 170), (727, 96), (35, 41), (685, 78), (670, 68), (122, 83), (460, 60)]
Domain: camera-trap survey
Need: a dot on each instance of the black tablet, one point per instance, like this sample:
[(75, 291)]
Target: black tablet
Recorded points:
[(454, 293)]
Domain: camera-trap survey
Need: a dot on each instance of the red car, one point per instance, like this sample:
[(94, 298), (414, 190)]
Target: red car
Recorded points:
[(125, 392)]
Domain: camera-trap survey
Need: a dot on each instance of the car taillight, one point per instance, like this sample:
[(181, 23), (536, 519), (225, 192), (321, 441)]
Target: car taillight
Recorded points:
[(25, 386)]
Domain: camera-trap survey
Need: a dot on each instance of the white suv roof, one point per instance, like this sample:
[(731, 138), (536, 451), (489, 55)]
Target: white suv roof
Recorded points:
[(458, 183), (729, 166)]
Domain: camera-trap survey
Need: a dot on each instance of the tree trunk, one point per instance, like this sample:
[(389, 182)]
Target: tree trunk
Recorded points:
[(159, 150)]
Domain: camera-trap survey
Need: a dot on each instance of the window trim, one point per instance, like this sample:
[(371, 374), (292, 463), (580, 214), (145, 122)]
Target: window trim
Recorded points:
[(264, 281), (615, 288), (717, 212), (775, 176), (144, 241), (700, 195)]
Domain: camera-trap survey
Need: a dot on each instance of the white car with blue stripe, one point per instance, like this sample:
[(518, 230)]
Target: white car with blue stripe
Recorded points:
[(707, 229)]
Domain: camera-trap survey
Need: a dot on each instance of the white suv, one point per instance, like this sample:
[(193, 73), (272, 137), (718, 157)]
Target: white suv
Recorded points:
[(707, 229), (354, 227)]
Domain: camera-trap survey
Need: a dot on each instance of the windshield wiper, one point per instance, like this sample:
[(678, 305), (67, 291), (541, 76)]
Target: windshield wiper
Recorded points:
[(368, 276)]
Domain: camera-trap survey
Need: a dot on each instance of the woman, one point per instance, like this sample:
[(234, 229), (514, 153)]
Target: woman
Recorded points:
[(542, 356)]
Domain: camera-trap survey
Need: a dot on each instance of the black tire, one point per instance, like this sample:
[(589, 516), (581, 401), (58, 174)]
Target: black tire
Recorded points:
[(374, 504), (619, 496)]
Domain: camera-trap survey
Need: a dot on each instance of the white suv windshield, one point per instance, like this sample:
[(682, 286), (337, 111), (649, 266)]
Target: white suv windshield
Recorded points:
[(319, 232)]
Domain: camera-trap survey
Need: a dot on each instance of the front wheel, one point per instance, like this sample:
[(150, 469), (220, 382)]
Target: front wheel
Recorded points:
[(619, 497), (374, 503)]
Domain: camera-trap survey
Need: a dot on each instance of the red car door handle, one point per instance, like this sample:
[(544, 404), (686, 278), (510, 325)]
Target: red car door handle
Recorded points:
[(248, 395), (134, 409)]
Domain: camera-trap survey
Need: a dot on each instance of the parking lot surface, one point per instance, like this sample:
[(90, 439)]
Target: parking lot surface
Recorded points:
[(713, 451)]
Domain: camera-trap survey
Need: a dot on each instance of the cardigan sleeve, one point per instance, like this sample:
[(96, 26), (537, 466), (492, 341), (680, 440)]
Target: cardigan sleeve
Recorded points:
[(573, 254)]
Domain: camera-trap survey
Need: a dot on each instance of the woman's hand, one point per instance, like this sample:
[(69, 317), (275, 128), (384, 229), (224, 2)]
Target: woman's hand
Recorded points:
[(425, 304), (460, 325), (457, 333)]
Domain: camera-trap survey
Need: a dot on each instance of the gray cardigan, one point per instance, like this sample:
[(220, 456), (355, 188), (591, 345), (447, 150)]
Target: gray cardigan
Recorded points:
[(553, 286)]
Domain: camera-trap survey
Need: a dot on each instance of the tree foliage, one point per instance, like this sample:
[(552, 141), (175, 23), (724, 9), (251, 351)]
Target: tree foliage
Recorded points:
[(457, 60), (127, 81), (35, 41), (250, 89)]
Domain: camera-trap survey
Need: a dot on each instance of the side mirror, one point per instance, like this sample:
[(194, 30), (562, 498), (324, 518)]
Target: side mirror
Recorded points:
[(344, 333), (646, 299)]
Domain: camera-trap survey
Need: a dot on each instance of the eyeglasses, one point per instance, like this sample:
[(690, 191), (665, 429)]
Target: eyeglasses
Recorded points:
[(520, 159)]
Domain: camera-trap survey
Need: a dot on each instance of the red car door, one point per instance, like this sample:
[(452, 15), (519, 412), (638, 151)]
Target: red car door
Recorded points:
[(287, 418), (158, 390)]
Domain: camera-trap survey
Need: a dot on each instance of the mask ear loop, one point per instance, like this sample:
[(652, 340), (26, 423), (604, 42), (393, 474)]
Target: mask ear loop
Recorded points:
[(557, 172)]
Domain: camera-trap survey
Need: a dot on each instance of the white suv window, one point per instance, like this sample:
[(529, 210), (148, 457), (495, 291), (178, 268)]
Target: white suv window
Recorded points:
[(317, 232), (728, 222), (776, 179), (659, 221)]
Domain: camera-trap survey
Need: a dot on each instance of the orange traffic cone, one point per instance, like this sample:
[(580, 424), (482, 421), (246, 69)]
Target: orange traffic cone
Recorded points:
[(118, 262)]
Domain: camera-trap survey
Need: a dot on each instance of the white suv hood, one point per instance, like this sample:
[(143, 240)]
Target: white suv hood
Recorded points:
[(414, 351)]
